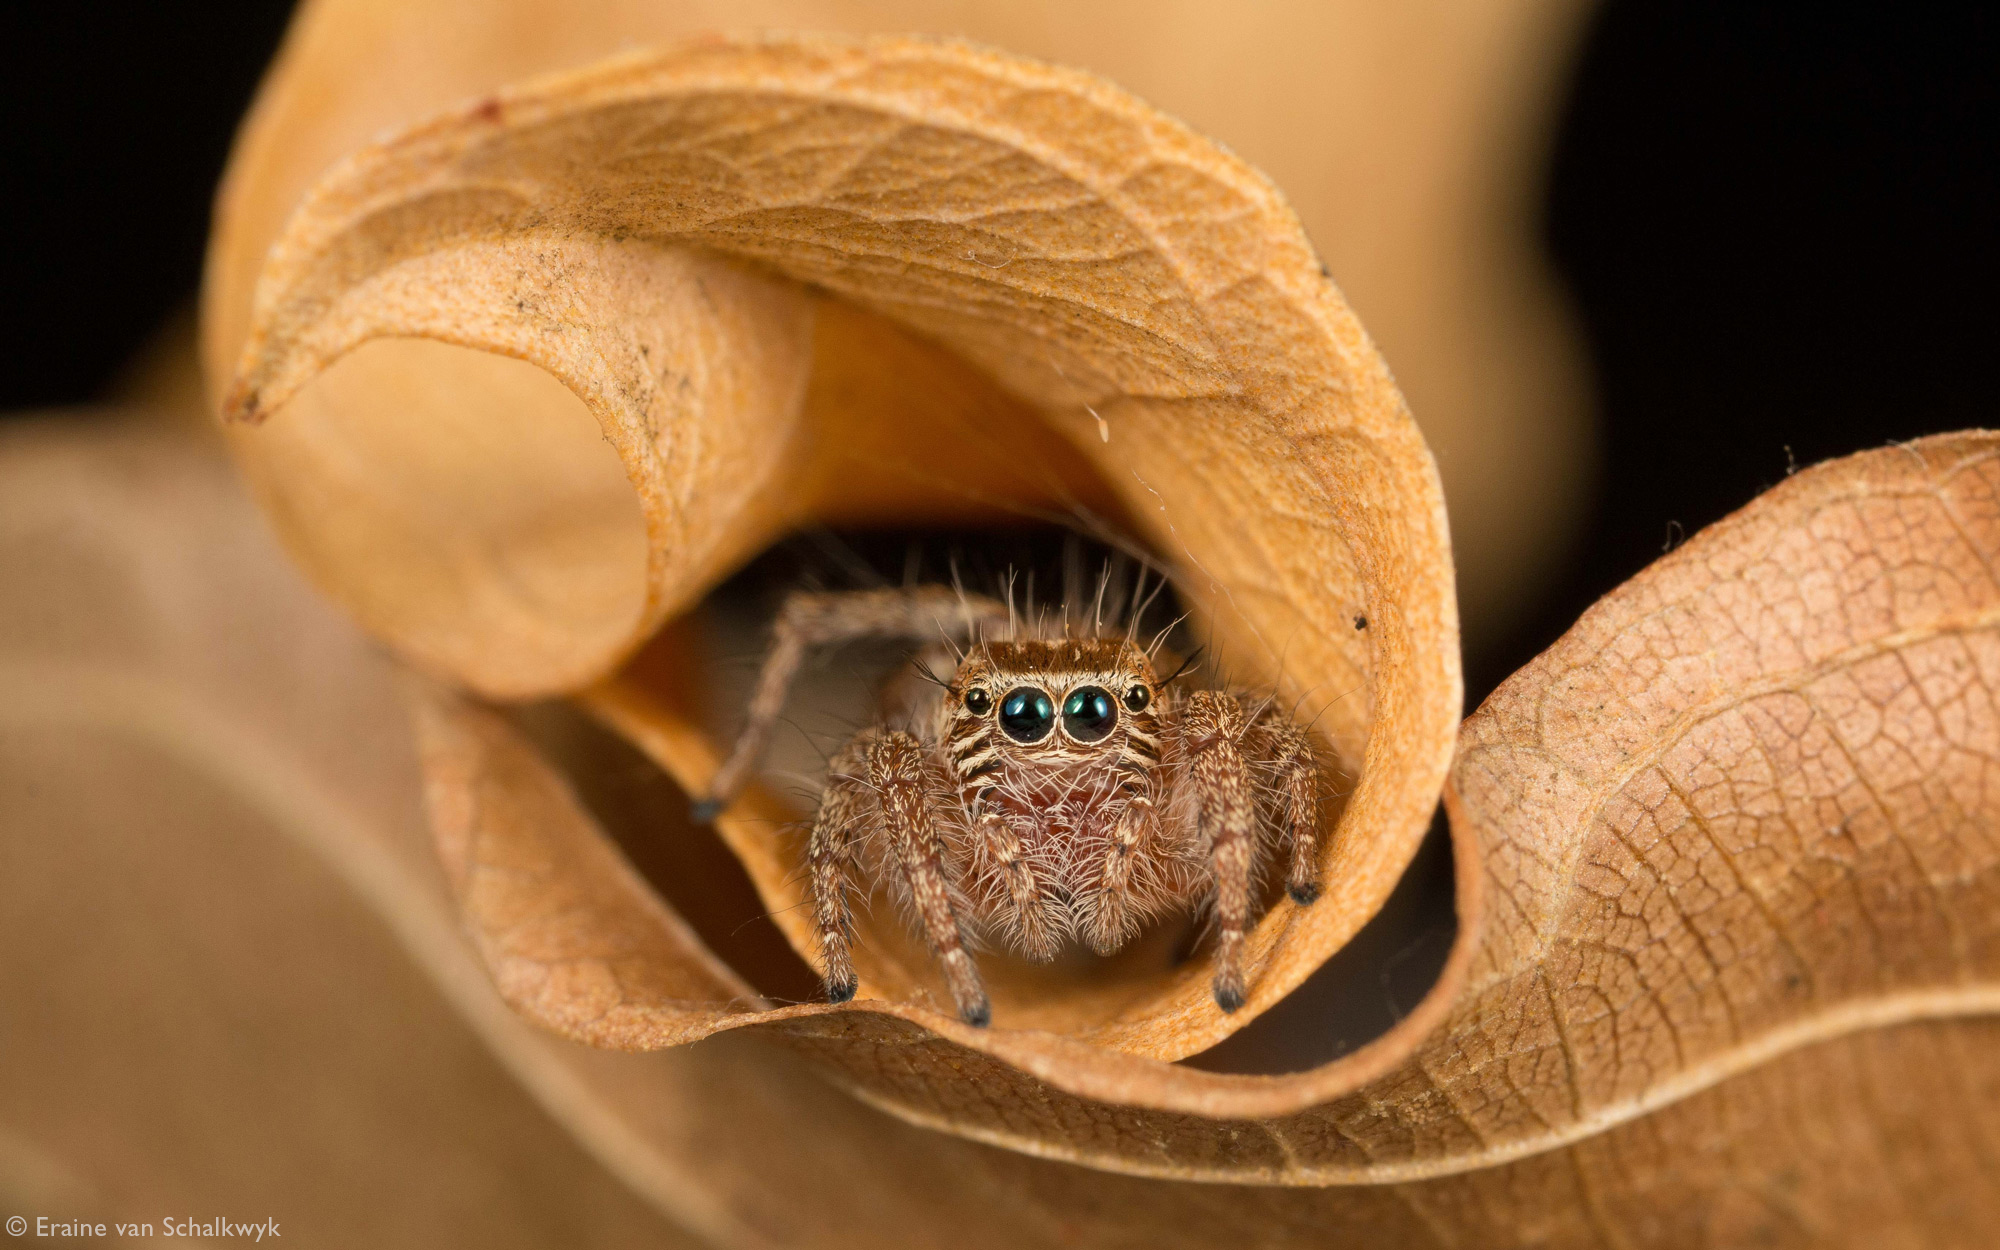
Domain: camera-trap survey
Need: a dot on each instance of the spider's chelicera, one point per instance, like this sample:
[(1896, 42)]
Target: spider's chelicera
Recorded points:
[(1055, 788)]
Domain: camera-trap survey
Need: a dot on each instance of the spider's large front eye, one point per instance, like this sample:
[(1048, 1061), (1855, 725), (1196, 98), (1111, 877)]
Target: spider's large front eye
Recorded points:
[(1088, 713), (978, 702), (1027, 715)]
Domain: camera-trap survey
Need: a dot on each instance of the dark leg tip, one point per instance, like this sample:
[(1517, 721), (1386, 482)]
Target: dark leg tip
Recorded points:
[(705, 811), (1228, 997), (1305, 895), (840, 992), (978, 1016)]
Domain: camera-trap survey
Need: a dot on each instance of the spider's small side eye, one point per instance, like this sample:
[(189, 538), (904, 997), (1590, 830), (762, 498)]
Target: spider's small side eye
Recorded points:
[(1027, 715), (1137, 698), (978, 702)]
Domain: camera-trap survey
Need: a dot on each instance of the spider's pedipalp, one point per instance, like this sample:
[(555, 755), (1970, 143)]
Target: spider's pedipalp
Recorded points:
[(1034, 931), (1112, 914)]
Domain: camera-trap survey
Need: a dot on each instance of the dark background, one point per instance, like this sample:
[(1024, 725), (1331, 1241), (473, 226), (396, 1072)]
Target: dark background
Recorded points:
[(1777, 222)]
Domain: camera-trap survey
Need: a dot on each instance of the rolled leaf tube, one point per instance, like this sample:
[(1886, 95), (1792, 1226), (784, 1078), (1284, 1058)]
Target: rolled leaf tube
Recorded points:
[(1146, 304)]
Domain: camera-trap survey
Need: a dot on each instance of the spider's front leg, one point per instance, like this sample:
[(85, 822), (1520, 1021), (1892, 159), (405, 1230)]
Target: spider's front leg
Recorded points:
[(885, 769), (809, 619), (1289, 752), (1211, 726), (1215, 731), (830, 858)]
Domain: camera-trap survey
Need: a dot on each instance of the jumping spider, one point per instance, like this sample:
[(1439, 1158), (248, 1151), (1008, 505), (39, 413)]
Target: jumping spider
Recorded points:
[(1055, 787)]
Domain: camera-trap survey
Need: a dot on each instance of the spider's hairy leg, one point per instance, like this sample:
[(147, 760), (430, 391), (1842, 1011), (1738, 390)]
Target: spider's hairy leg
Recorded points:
[(1033, 932), (1291, 754), (830, 855), (1111, 918), (897, 771), (810, 619), (1213, 725)]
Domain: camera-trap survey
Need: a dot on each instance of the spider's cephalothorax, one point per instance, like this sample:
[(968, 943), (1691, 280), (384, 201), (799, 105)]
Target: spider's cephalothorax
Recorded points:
[(1056, 789)]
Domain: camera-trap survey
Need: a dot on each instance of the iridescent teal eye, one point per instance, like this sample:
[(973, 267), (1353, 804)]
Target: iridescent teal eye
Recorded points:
[(1027, 715), (1088, 713)]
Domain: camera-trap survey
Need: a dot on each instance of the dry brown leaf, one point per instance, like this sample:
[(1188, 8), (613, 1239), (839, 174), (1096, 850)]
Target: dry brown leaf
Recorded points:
[(1409, 137), (1727, 855), (1153, 300), (226, 965), (166, 677), (1722, 852)]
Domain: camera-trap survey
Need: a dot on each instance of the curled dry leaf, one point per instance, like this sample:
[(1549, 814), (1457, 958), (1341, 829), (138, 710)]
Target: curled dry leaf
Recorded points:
[(230, 971), (1721, 845), (1649, 914), (1410, 138), (726, 252), (1726, 908), (225, 762)]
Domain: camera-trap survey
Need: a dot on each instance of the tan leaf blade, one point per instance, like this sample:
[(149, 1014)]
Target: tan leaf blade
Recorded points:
[(1876, 1137), (1744, 806), (1189, 375), (1724, 844), (1727, 845)]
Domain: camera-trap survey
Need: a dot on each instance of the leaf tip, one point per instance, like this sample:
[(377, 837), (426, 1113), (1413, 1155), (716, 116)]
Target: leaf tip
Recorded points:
[(242, 404)]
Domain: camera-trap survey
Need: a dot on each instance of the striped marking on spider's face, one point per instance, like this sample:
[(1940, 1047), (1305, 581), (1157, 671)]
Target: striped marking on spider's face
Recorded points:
[(1056, 703)]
